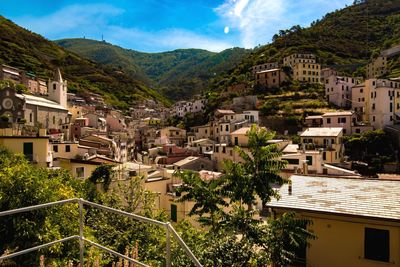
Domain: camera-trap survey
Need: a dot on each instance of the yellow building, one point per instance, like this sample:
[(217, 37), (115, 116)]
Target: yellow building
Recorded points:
[(307, 72), (36, 149), (175, 135), (67, 150), (324, 139), (165, 185), (305, 67), (80, 169), (356, 221), (270, 78), (151, 121)]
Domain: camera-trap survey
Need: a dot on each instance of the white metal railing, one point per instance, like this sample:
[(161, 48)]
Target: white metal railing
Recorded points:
[(169, 229)]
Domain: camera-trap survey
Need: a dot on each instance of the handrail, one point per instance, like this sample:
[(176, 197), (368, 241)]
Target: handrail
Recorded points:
[(36, 207), (168, 228), (184, 246), (21, 252), (130, 215), (115, 253)]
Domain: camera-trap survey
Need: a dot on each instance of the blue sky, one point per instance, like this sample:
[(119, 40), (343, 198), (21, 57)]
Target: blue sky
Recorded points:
[(163, 25)]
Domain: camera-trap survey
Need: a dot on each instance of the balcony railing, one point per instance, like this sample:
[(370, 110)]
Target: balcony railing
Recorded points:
[(169, 229)]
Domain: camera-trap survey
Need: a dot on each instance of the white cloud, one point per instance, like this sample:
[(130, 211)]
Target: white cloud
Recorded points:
[(258, 20), (71, 18), (94, 20)]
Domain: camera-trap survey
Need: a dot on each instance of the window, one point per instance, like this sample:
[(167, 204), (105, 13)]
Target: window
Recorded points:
[(309, 160), (324, 156), (376, 244), (223, 150), (54, 119), (54, 86), (292, 161), (227, 128), (174, 213), (67, 148), (328, 120), (80, 172), (30, 117), (55, 148)]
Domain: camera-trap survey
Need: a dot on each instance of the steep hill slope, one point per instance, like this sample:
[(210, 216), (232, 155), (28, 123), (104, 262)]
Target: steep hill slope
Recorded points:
[(31, 52), (346, 39), (179, 74)]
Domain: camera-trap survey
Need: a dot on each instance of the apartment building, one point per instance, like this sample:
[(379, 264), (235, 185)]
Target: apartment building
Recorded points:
[(271, 78), (294, 59), (377, 101), (326, 140), (264, 66), (326, 73), (377, 67), (305, 67), (338, 90), (343, 119), (175, 135)]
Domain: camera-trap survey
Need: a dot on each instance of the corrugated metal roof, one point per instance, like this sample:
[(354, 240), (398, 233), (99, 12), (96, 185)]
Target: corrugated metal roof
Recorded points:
[(39, 101), (356, 197), (322, 132)]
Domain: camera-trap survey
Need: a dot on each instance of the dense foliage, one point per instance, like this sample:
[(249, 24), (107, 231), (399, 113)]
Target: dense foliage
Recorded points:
[(179, 74), (372, 147), (31, 52)]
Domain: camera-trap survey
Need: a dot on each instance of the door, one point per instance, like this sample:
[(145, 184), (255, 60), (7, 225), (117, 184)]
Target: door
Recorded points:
[(174, 215), (28, 151)]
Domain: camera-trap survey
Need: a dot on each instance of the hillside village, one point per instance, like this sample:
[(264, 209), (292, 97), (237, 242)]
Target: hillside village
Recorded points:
[(346, 188)]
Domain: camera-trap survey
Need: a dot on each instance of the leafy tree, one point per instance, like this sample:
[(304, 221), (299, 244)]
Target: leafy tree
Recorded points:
[(23, 185), (207, 195), (103, 174), (254, 178)]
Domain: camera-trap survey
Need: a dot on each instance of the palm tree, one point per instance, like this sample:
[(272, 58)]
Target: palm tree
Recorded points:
[(207, 196), (245, 182)]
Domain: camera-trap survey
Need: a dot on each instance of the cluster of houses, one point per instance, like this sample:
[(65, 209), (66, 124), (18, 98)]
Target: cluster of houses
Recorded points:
[(356, 219)]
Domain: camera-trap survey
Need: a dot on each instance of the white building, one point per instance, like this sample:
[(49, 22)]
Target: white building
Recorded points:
[(338, 90)]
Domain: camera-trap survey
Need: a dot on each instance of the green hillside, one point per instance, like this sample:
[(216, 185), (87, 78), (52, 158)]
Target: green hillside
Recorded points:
[(345, 39), (178, 74), (31, 52)]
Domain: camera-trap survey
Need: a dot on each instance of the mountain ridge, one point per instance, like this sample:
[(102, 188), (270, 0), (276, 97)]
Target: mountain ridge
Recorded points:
[(179, 74)]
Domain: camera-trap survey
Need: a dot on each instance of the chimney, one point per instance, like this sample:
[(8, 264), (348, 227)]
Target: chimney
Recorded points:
[(305, 167)]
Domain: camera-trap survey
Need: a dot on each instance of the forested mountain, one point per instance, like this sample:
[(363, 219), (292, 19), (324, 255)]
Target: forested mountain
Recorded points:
[(345, 39), (178, 74), (31, 52)]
